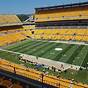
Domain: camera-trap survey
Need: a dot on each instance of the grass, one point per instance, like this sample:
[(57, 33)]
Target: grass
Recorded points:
[(71, 53), (78, 76), (9, 56), (81, 56)]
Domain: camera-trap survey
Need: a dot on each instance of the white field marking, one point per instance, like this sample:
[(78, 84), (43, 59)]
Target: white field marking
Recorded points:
[(10, 51), (70, 42), (46, 62), (58, 49), (67, 42)]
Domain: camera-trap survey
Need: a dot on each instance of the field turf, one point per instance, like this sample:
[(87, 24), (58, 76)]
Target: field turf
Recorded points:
[(71, 53)]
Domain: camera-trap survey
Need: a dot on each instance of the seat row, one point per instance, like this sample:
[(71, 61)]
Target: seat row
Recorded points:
[(11, 38), (62, 34)]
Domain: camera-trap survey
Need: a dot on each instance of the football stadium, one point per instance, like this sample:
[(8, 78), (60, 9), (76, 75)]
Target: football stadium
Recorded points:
[(49, 49)]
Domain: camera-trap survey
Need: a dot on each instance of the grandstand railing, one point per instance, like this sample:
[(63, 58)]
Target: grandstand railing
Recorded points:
[(63, 27)]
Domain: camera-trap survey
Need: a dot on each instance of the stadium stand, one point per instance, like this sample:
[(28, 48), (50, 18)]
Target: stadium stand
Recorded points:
[(27, 27), (6, 20), (11, 38), (62, 34), (10, 29), (55, 13), (65, 23)]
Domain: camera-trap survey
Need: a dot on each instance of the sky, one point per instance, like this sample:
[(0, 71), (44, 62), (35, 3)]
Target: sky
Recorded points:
[(27, 6)]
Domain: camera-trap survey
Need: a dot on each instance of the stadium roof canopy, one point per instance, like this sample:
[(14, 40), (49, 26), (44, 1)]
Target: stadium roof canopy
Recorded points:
[(62, 6)]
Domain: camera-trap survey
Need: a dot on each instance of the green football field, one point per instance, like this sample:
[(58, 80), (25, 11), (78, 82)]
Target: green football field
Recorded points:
[(70, 53)]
